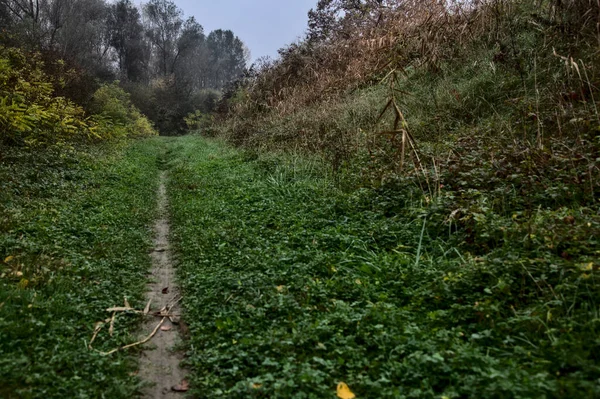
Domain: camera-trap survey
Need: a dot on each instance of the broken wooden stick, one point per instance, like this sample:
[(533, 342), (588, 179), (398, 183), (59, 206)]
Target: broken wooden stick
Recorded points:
[(142, 342)]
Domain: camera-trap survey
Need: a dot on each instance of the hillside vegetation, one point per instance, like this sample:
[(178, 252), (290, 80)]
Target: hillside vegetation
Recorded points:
[(473, 131)]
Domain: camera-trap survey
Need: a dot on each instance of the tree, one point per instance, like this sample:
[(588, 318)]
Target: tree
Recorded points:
[(126, 36), (228, 57), (163, 30), (342, 17), (24, 16), (82, 35)]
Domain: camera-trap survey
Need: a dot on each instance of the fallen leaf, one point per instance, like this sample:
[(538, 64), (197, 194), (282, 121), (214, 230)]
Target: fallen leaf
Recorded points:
[(256, 386), (8, 259), (165, 290), (344, 392), (587, 267), (166, 328), (184, 386), (280, 288)]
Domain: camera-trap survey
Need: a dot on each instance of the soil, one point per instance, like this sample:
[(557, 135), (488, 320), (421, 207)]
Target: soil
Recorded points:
[(160, 362)]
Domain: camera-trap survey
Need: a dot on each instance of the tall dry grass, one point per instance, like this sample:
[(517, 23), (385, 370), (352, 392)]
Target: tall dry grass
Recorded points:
[(526, 68)]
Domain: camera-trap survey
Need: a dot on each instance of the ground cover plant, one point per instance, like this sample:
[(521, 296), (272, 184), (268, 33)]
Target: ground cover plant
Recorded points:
[(74, 240), (292, 285)]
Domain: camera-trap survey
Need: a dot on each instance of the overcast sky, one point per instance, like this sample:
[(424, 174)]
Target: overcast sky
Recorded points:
[(264, 25)]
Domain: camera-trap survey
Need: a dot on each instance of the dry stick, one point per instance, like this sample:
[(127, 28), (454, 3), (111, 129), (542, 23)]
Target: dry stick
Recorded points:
[(122, 309), (148, 338), (97, 329), (147, 308), (111, 329), (164, 313), (170, 305)]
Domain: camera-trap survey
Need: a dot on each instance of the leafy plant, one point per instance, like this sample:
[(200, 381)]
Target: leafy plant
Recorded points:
[(74, 239), (292, 285)]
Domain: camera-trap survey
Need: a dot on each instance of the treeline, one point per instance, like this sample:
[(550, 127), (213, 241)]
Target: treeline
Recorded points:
[(167, 63)]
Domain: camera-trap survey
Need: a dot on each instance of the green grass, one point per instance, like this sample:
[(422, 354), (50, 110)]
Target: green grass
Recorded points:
[(292, 285), (489, 288), (77, 228)]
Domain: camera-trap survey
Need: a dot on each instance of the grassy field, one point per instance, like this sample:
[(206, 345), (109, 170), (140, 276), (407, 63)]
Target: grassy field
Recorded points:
[(294, 282), (293, 285), (74, 241)]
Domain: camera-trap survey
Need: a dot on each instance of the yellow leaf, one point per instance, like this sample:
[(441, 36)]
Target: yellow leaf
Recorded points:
[(586, 267), (256, 386), (23, 283), (344, 392), (8, 259), (280, 288)]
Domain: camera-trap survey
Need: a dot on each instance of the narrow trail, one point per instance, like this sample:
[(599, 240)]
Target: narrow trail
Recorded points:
[(159, 363)]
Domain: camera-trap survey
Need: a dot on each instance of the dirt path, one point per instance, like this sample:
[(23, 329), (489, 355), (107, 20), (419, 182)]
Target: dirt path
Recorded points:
[(159, 364)]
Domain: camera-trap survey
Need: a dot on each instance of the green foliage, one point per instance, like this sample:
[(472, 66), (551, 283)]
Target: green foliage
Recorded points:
[(32, 114), (198, 120), (74, 239), (29, 112), (117, 115), (292, 285)]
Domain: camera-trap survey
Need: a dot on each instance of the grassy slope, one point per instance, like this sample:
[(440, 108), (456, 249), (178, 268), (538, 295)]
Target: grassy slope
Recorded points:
[(292, 285), (76, 225)]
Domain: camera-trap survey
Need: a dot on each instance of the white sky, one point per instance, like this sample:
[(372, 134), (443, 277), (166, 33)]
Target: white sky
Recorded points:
[(264, 25)]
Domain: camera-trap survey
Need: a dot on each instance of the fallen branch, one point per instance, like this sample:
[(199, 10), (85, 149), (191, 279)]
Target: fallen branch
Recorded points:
[(111, 329), (142, 342), (147, 308)]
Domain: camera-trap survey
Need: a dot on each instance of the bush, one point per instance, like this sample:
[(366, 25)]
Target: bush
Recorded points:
[(117, 115), (30, 113), (198, 120)]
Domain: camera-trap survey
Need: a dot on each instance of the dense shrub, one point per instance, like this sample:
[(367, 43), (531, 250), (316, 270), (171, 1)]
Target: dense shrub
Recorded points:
[(117, 115), (32, 114)]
